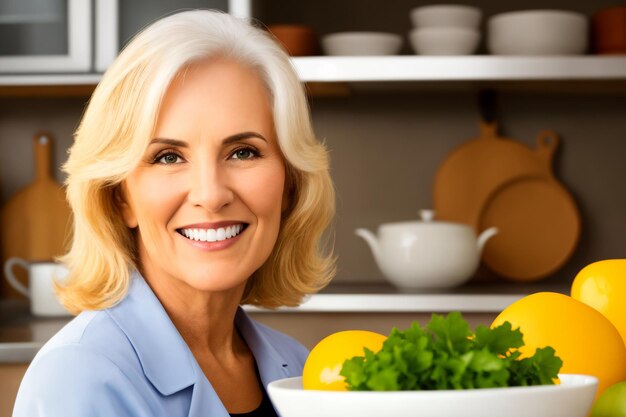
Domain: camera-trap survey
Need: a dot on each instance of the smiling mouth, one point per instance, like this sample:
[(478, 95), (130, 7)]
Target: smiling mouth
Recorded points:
[(213, 235)]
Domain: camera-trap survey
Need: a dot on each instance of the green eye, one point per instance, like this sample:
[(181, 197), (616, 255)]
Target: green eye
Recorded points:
[(245, 153), (169, 158)]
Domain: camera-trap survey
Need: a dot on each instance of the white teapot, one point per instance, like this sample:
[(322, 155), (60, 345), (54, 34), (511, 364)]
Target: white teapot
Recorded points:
[(427, 254)]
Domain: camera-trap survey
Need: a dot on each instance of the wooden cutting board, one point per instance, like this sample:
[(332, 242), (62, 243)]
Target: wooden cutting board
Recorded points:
[(473, 171), (36, 221), (538, 223)]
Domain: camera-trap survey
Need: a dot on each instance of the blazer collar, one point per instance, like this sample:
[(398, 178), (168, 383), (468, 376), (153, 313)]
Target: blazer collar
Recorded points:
[(271, 363), (165, 358)]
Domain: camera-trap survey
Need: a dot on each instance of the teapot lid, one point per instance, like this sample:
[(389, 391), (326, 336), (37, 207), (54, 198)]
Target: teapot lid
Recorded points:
[(427, 219), (427, 215)]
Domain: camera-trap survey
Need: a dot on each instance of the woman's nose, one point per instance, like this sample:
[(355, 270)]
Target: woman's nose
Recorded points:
[(209, 188)]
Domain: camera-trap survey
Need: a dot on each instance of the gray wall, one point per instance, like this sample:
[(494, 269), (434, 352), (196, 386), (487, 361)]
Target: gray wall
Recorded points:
[(386, 150)]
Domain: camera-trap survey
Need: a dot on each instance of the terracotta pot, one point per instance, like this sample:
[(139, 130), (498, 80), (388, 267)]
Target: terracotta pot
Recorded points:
[(609, 30), (298, 40)]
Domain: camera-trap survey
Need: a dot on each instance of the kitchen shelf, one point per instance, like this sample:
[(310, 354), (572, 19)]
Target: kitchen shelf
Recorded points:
[(460, 68), (384, 298), (472, 68), (26, 80), (48, 85)]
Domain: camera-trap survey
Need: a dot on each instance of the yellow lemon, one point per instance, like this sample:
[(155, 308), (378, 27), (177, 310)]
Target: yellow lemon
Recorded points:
[(322, 367), (602, 285), (586, 341)]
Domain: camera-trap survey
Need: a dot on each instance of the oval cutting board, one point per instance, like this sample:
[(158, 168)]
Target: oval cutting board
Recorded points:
[(474, 170), (36, 220)]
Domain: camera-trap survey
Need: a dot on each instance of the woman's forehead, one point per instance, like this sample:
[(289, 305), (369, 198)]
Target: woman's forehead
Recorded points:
[(217, 97)]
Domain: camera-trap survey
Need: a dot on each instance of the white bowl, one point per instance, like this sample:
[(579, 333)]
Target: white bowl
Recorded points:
[(361, 43), (444, 40), (446, 15), (572, 398), (538, 32)]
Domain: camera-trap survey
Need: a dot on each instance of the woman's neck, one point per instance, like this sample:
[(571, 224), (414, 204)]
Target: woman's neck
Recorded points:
[(205, 320)]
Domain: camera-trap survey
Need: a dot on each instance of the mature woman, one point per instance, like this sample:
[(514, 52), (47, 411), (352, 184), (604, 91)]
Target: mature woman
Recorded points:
[(197, 185)]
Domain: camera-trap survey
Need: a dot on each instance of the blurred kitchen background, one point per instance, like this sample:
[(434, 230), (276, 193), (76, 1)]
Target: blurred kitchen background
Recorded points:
[(387, 139)]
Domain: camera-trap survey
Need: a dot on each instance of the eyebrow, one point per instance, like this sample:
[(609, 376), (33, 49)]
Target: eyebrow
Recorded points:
[(228, 140)]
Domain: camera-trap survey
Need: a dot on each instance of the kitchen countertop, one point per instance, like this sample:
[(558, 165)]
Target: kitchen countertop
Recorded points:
[(22, 334)]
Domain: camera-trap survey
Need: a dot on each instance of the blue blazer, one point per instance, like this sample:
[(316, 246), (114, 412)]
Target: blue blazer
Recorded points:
[(130, 361)]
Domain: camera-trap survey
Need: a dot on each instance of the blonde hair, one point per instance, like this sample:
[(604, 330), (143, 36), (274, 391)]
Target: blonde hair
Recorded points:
[(119, 122)]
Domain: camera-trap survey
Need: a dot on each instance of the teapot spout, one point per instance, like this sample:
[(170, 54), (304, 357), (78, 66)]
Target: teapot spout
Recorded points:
[(485, 236), (371, 240)]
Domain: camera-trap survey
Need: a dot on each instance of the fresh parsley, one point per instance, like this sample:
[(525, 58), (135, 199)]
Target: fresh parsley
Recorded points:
[(446, 354)]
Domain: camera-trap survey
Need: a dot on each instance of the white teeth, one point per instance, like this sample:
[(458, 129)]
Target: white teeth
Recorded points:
[(212, 235)]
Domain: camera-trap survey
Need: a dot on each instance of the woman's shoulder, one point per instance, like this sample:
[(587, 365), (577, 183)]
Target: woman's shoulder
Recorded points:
[(69, 378), (93, 339), (85, 369), (90, 331)]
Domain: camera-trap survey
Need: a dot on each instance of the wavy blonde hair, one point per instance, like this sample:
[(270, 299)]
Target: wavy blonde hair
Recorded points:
[(119, 122)]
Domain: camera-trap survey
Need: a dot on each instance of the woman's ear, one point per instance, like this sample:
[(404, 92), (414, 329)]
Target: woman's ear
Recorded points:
[(128, 213)]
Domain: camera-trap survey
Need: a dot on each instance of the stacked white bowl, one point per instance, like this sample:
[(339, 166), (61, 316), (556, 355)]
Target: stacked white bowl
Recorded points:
[(538, 32), (445, 29), (361, 43)]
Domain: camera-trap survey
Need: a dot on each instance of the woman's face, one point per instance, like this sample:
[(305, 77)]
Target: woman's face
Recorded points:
[(208, 194)]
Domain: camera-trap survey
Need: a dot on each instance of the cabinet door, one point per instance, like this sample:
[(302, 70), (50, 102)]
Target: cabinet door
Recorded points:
[(135, 15), (10, 377)]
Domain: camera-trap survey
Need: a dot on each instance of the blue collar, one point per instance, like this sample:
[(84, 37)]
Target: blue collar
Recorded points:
[(166, 359)]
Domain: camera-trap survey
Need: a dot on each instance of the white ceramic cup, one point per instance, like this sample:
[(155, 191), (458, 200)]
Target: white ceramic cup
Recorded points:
[(40, 290)]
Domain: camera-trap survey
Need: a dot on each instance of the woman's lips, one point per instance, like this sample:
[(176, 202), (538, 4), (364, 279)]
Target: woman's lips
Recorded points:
[(212, 235), (213, 238)]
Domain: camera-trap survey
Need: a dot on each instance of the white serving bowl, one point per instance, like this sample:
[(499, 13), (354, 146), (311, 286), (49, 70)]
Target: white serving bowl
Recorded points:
[(361, 43), (444, 40), (572, 398), (538, 32), (446, 15)]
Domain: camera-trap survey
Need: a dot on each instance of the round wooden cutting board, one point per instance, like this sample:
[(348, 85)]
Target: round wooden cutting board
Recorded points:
[(473, 171), (538, 224)]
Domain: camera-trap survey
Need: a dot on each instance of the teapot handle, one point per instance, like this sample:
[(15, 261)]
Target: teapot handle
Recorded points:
[(485, 236)]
